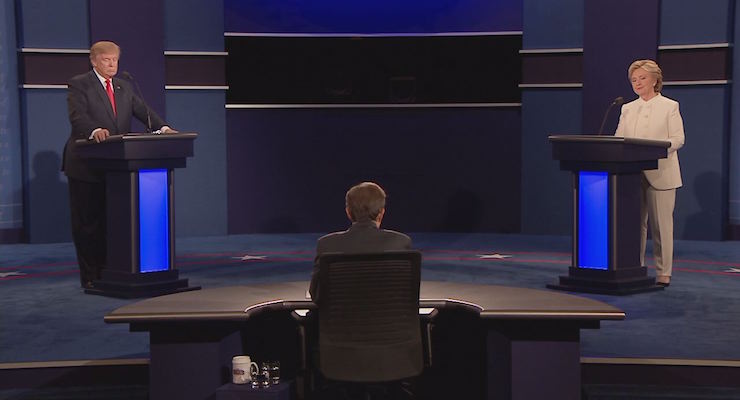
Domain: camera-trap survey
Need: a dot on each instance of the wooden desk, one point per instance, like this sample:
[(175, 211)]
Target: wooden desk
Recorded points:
[(531, 338)]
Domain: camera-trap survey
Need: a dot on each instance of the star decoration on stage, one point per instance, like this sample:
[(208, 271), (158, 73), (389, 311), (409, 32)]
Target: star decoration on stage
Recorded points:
[(735, 270), (248, 257), (494, 256), (7, 274)]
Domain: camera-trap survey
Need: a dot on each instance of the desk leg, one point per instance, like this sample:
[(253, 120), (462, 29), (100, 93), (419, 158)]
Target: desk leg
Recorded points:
[(186, 365), (525, 364)]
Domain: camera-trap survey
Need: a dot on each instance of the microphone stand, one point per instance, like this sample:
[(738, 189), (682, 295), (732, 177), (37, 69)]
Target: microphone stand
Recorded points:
[(130, 78), (618, 101)]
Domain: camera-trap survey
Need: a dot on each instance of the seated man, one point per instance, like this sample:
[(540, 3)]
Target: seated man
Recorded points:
[(365, 207)]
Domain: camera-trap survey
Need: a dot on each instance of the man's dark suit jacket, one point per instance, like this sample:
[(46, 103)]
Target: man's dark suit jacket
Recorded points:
[(361, 237), (89, 108)]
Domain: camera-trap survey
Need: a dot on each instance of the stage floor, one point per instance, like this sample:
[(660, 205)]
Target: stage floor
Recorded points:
[(44, 315)]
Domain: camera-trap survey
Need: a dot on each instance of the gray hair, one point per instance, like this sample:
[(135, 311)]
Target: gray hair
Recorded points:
[(365, 201)]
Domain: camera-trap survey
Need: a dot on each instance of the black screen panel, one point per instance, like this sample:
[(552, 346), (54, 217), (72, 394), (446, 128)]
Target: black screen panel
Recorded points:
[(369, 70)]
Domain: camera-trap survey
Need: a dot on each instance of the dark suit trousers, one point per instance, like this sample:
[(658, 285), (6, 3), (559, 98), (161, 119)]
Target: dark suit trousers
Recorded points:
[(87, 207)]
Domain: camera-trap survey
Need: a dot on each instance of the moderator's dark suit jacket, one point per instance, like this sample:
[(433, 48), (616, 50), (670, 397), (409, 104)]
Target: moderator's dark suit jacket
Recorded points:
[(361, 237), (89, 108)]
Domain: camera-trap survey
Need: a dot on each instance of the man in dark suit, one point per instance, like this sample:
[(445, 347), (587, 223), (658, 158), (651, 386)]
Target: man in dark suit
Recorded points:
[(365, 207), (99, 106)]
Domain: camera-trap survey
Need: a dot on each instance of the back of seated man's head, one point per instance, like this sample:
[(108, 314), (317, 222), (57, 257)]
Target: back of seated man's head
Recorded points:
[(365, 202)]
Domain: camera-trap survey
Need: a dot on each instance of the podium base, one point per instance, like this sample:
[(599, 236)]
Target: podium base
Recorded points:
[(124, 285), (614, 292), (623, 282)]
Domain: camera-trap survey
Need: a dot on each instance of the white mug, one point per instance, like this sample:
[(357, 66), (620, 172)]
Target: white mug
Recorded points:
[(241, 369)]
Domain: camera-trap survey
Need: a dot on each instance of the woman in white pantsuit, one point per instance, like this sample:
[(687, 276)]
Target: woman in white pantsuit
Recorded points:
[(653, 116)]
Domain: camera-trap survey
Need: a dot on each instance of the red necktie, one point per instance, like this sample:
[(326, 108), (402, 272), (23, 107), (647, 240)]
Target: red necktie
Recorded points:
[(109, 89)]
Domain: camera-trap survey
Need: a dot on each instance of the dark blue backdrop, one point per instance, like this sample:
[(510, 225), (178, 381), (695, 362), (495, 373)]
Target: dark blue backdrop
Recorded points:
[(615, 34), (379, 16), (11, 189), (144, 29), (139, 29), (702, 205), (443, 169)]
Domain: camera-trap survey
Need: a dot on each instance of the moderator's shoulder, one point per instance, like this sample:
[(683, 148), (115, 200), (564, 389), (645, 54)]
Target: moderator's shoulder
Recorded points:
[(330, 242), (400, 235), (330, 236)]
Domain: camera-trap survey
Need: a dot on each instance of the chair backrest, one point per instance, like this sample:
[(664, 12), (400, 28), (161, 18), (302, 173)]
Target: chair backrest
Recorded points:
[(369, 329)]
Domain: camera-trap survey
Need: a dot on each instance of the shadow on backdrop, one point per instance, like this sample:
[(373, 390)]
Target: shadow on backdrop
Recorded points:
[(48, 201), (705, 224)]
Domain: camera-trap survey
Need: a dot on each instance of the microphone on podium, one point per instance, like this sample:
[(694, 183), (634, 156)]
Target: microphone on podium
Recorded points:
[(130, 78), (617, 102)]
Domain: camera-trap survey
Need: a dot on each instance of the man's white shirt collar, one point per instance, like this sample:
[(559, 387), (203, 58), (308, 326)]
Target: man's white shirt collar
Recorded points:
[(101, 79)]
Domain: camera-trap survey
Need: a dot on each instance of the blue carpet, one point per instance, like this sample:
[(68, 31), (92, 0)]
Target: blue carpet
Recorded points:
[(45, 316)]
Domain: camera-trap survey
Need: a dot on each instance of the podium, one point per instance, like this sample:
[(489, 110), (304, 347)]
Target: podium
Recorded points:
[(607, 174), (140, 222)]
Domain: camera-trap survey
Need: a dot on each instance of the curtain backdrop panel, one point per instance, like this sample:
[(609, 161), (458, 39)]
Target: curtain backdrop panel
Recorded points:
[(138, 27), (615, 34)]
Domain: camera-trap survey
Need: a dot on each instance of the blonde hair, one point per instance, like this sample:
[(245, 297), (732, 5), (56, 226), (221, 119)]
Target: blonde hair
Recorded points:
[(649, 66), (103, 47)]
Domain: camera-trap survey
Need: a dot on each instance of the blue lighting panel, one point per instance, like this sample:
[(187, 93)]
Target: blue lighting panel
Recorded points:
[(376, 16), (593, 203), (154, 233)]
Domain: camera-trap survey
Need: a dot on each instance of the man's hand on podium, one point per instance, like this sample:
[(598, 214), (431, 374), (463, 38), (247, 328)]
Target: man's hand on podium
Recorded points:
[(100, 135), (167, 130)]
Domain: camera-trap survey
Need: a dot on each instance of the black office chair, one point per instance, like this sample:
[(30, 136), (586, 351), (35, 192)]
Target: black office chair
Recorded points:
[(368, 311)]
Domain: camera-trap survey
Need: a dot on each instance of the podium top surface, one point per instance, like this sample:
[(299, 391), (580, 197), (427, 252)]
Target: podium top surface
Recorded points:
[(133, 152), (136, 137), (238, 303), (607, 153), (608, 139)]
